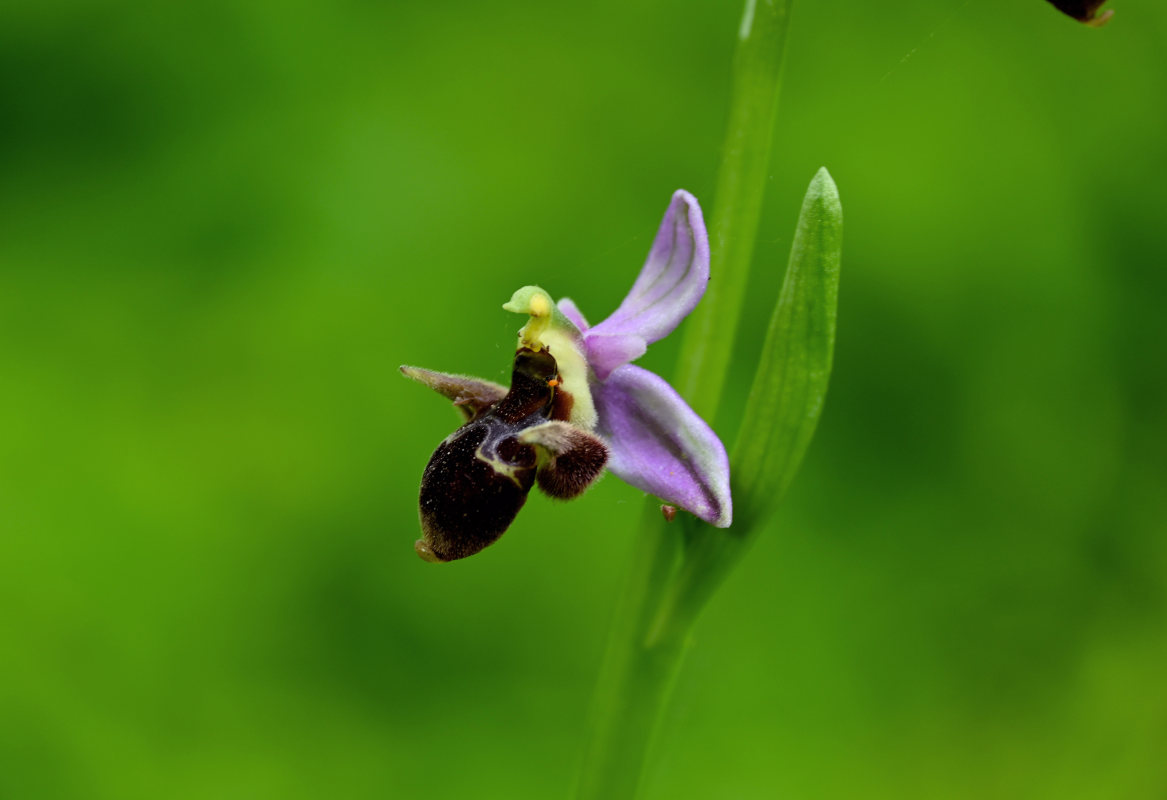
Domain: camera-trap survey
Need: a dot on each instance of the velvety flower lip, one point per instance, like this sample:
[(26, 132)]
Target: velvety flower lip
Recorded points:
[(657, 442)]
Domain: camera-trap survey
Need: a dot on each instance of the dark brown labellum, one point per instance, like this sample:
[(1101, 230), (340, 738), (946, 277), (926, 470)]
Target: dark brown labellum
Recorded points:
[(479, 477)]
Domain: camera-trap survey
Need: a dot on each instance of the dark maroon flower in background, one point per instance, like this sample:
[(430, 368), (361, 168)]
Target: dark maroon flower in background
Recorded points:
[(1084, 11)]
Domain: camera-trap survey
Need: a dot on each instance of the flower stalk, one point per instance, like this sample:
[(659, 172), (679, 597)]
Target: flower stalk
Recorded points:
[(679, 562), (741, 185), (636, 674)]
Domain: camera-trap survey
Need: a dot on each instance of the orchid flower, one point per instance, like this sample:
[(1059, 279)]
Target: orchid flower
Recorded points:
[(577, 402), (658, 443)]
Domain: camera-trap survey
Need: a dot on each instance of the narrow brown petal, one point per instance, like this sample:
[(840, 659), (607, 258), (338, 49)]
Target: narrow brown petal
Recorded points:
[(471, 396)]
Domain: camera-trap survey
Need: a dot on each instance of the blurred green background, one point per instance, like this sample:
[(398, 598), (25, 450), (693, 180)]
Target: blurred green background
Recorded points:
[(224, 225)]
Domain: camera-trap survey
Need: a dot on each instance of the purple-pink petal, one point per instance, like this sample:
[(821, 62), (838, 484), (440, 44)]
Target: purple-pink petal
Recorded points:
[(672, 280), (572, 312), (660, 445), (606, 353)]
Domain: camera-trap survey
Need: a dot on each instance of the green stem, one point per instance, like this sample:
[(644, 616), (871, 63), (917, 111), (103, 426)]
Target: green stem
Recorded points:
[(658, 608), (741, 184), (637, 671)]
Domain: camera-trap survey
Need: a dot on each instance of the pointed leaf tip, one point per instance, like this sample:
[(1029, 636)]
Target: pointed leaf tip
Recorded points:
[(822, 185), (790, 386)]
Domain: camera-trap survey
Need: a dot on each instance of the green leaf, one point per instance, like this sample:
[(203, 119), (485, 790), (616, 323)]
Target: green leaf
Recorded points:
[(790, 386)]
